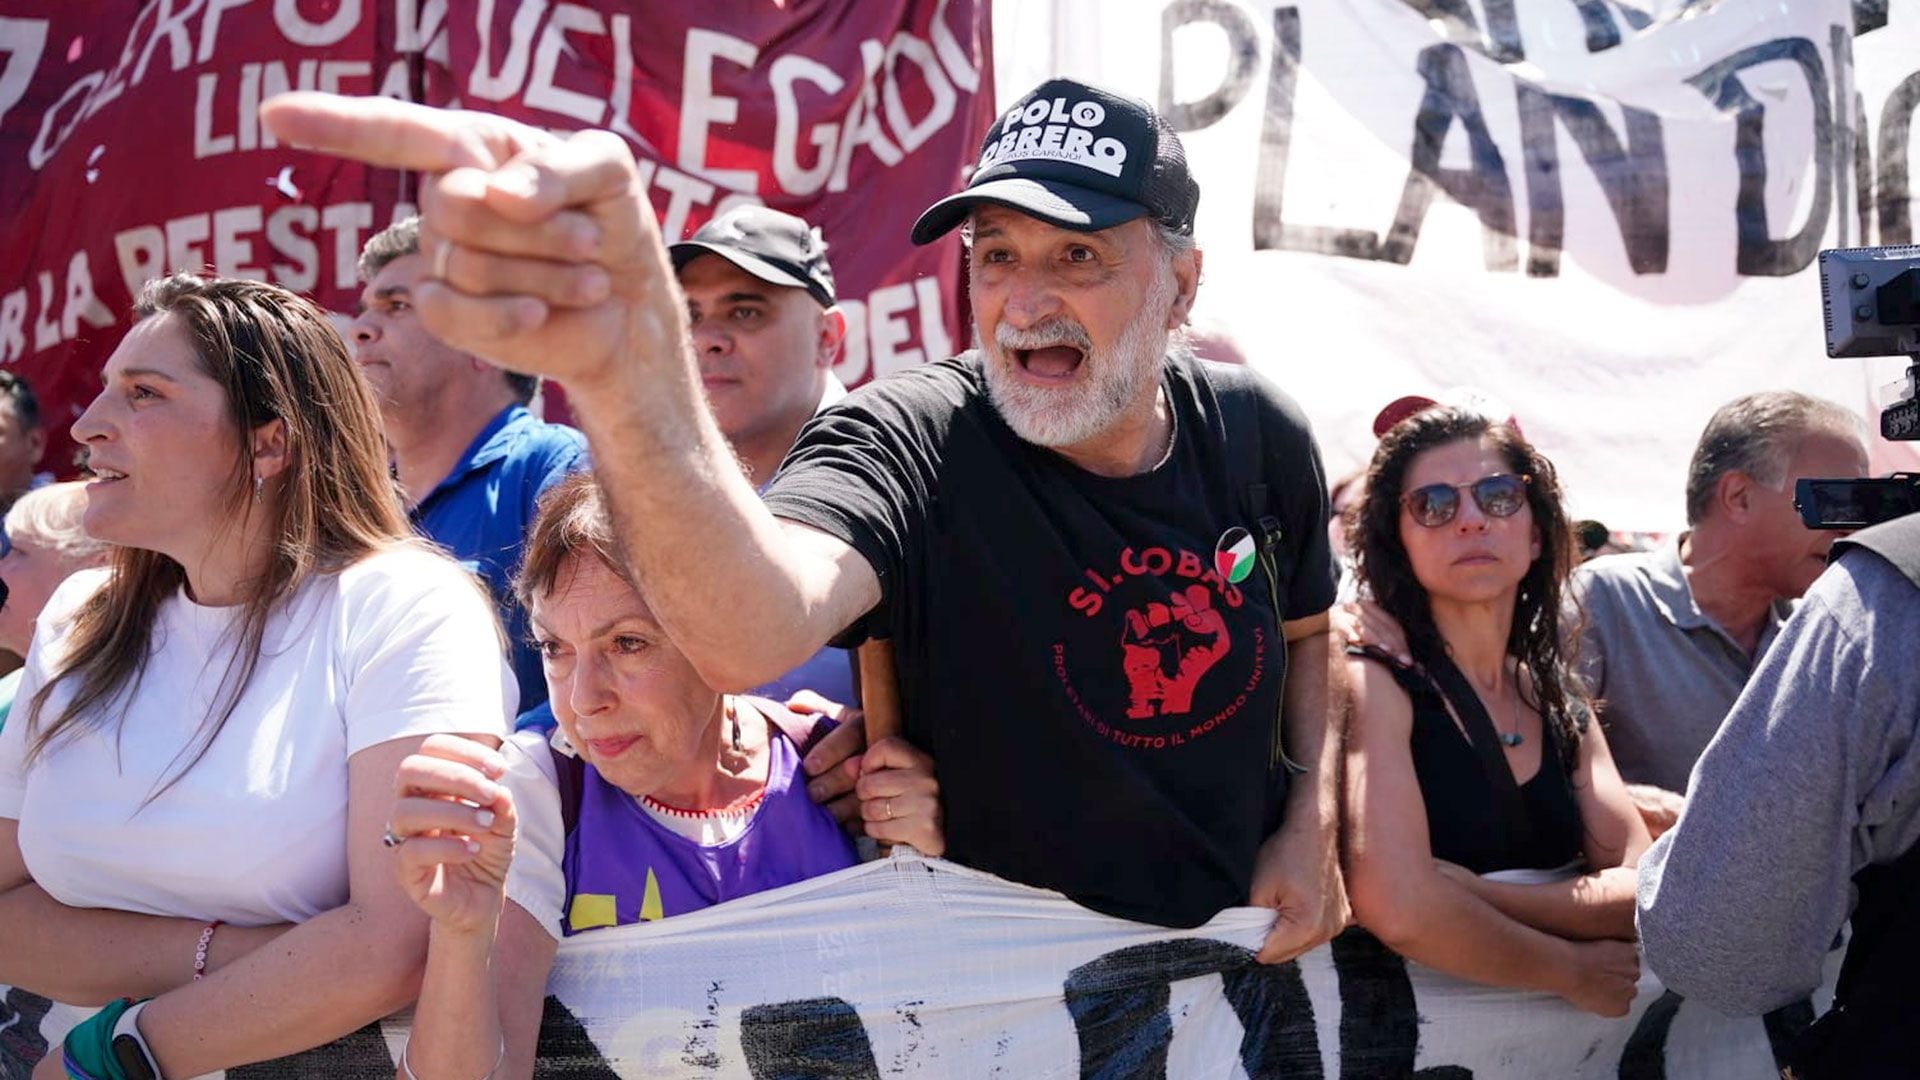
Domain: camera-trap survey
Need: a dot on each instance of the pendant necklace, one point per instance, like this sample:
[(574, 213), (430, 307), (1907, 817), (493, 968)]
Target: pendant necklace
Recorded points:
[(1514, 738)]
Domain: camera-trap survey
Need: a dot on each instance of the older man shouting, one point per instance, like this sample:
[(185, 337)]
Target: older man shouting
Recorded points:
[(1102, 563)]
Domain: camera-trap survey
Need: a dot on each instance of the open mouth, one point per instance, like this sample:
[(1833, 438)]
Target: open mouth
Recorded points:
[(1053, 363)]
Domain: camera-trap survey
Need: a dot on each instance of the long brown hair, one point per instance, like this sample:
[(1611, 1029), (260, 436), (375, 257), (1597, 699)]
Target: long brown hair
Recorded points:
[(278, 359), (1535, 637)]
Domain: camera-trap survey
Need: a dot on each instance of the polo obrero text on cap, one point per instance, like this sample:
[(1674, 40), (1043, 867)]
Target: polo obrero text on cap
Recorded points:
[(1053, 129), (1078, 157)]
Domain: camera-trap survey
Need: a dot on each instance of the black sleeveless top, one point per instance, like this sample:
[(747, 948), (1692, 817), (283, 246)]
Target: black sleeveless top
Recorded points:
[(1469, 820)]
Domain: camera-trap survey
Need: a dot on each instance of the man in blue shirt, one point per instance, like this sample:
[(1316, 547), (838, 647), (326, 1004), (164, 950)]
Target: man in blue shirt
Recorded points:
[(767, 328), (470, 457)]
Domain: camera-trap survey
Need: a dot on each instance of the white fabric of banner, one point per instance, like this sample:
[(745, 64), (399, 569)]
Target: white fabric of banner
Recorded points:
[(937, 970), (1605, 214), (919, 967)]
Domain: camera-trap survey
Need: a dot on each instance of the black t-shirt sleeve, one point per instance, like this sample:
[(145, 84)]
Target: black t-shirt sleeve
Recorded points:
[(1299, 485), (862, 471)]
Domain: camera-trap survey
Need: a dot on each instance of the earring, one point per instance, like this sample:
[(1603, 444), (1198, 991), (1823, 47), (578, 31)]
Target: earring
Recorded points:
[(259, 488), (739, 747)]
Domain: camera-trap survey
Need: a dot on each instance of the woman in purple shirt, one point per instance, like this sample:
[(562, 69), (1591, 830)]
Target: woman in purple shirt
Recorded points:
[(656, 795)]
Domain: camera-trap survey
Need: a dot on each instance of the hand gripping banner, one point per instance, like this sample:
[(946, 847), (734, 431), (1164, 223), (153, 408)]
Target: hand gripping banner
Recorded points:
[(918, 967)]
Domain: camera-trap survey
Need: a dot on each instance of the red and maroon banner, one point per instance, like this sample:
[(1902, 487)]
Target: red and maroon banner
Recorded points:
[(129, 144)]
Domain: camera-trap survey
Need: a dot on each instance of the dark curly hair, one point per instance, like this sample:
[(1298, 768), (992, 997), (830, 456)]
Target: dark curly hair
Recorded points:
[(1535, 638)]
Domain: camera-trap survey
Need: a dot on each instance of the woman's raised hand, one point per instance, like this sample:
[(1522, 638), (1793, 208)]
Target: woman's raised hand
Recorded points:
[(454, 827), (547, 259)]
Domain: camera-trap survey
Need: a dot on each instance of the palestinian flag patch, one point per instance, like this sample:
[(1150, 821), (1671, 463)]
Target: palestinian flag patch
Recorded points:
[(1233, 556)]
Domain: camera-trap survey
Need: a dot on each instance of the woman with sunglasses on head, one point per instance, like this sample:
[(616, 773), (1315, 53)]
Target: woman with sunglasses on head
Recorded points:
[(1481, 758), (194, 778)]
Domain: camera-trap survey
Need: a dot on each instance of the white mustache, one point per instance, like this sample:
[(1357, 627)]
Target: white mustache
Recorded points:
[(1059, 330)]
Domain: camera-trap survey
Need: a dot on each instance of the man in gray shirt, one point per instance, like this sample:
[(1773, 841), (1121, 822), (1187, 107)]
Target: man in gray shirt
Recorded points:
[(1814, 776), (1673, 635)]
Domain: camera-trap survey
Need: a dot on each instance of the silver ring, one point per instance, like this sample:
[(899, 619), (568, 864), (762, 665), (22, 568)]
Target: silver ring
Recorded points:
[(442, 255), (889, 809), (387, 839)]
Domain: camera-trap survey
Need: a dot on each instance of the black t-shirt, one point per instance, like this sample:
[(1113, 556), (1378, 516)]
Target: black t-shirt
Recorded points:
[(1100, 701)]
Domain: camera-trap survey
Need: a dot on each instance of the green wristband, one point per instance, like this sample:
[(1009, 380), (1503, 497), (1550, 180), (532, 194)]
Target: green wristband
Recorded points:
[(89, 1045)]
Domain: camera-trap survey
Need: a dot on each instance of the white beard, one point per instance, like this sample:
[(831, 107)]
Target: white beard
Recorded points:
[(1069, 415)]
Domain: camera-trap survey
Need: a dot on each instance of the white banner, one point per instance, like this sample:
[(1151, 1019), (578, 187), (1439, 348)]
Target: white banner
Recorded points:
[(917, 967), (1603, 212)]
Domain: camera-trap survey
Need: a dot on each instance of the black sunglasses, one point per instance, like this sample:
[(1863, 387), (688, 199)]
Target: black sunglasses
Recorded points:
[(1500, 495)]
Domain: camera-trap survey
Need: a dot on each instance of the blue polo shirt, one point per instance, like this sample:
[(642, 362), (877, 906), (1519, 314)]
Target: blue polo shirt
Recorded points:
[(481, 512)]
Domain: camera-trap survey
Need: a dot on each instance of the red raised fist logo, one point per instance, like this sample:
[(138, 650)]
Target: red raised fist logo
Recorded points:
[(1167, 648)]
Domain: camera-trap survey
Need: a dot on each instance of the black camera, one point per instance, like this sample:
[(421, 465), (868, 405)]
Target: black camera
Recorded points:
[(1856, 504), (1872, 301)]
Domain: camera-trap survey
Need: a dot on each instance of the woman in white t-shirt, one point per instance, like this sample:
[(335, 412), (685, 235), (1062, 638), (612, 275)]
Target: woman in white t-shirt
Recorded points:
[(203, 748)]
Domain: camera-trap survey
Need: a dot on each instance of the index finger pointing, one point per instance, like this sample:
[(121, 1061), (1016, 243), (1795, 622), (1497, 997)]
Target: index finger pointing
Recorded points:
[(396, 134)]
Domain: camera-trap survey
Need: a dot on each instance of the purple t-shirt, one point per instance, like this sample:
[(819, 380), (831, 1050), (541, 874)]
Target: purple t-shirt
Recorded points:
[(650, 872)]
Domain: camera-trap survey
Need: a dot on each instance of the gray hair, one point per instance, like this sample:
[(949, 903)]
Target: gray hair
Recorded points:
[(400, 239), (1758, 435), (1173, 241), (52, 516)]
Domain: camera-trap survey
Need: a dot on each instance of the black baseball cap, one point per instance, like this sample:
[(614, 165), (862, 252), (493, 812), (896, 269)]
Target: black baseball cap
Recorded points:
[(1079, 157), (777, 248)]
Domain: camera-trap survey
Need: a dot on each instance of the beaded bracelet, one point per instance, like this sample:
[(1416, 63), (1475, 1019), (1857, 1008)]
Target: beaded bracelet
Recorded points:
[(200, 950)]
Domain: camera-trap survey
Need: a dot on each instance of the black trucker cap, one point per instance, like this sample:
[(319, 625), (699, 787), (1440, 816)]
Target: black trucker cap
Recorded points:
[(777, 248), (1078, 157)]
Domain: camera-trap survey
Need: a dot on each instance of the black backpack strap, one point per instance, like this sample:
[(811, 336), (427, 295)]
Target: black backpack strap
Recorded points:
[(1246, 467), (1246, 458)]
